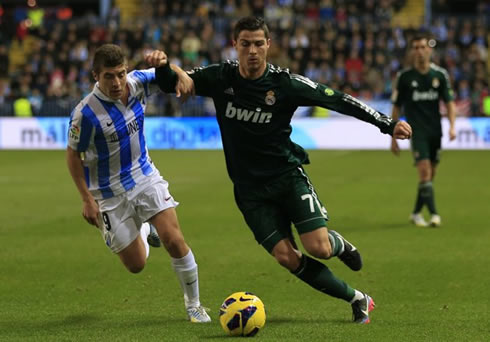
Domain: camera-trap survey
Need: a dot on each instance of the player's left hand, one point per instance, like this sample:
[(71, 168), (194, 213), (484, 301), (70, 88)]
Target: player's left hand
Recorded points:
[(156, 59), (452, 134), (402, 130)]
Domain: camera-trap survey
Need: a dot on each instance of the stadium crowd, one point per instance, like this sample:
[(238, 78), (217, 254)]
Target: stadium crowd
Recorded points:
[(349, 45)]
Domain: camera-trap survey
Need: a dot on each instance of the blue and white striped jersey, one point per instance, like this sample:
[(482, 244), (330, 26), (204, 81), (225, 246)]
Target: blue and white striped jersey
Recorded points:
[(111, 137)]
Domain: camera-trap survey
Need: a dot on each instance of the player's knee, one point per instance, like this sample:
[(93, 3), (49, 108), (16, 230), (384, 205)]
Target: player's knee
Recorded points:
[(320, 249), (136, 266), (174, 244)]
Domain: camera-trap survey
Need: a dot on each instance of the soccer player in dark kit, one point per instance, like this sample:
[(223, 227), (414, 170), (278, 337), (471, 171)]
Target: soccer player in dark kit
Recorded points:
[(418, 90), (255, 102)]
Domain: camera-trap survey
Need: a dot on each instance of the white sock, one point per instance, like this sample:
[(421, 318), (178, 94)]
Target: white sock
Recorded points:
[(357, 296), (144, 232), (186, 270)]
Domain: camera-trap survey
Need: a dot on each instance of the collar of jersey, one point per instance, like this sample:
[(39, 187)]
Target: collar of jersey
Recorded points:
[(266, 72)]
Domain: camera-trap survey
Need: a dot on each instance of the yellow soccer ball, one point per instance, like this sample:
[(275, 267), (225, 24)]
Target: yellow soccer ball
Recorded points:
[(242, 314)]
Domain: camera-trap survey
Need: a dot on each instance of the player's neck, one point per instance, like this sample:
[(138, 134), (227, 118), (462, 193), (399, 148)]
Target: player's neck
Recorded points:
[(124, 98), (252, 74), (423, 68)]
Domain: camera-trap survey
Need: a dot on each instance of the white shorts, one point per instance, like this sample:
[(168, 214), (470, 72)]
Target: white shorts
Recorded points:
[(123, 215)]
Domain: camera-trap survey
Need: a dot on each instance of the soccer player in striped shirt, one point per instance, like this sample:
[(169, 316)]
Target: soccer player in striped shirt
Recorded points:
[(255, 102), (121, 189)]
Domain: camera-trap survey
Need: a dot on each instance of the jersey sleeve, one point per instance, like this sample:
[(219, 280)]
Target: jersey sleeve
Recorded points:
[(146, 80), (446, 90), (80, 130), (205, 79), (305, 92)]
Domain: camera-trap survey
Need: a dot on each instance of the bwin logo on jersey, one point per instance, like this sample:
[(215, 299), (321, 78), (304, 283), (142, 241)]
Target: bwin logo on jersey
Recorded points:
[(425, 95), (247, 115)]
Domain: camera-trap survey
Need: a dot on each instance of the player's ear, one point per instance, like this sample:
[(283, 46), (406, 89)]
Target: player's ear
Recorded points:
[(95, 75), (234, 43)]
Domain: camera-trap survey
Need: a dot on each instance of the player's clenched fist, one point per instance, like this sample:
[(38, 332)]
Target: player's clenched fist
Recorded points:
[(156, 59), (402, 130)]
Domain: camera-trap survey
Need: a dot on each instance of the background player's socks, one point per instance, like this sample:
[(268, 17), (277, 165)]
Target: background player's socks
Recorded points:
[(318, 276), (420, 201), (428, 194)]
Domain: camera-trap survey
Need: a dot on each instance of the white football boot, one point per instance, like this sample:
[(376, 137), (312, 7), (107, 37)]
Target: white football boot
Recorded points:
[(198, 314), (435, 220), (418, 220)]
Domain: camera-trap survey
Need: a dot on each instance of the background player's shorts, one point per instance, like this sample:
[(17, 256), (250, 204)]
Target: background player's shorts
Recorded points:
[(123, 215), (270, 209), (426, 148)]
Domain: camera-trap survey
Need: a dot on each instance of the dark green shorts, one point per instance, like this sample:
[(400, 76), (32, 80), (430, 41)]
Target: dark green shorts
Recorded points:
[(270, 209), (426, 148)]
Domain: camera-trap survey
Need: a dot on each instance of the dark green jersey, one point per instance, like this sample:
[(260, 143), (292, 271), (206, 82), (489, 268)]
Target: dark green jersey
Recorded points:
[(419, 94), (255, 115)]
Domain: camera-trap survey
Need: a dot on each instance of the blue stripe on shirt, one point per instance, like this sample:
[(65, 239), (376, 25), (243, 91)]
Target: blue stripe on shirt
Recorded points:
[(85, 133), (124, 144), (143, 159), (102, 153), (145, 77)]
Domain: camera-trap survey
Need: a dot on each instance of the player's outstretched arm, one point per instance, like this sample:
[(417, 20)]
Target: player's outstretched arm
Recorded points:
[(185, 84), (451, 114), (90, 209)]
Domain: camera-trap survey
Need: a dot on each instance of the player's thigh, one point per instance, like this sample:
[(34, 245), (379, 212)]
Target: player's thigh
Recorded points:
[(302, 203), (167, 225), (120, 226), (134, 255), (265, 218)]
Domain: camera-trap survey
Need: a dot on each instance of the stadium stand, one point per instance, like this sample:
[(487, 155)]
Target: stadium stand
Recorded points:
[(355, 46)]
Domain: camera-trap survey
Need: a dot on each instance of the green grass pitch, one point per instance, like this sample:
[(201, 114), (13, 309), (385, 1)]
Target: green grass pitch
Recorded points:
[(58, 281)]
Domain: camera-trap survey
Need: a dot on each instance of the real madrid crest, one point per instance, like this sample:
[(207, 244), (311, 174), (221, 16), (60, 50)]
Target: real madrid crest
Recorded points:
[(435, 82), (270, 99)]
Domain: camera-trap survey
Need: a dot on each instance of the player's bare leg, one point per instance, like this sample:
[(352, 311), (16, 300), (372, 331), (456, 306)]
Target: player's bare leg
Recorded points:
[(183, 262), (134, 256)]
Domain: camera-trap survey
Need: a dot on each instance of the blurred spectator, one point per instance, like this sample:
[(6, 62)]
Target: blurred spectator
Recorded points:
[(345, 43)]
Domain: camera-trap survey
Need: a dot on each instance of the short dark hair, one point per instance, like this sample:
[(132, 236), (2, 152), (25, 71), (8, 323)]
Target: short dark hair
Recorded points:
[(419, 36), (108, 55), (250, 24)]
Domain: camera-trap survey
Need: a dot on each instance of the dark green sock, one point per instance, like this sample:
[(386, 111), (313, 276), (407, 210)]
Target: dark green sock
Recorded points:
[(420, 201), (335, 243), (429, 197), (318, 276)]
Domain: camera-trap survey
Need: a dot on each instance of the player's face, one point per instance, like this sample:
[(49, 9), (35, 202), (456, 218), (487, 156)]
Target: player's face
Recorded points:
[(421, 50), (112, 81), (252, 49)]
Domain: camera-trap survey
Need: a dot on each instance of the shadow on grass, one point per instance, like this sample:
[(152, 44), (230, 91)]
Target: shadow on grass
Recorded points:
[(88, 321), (277, 321)]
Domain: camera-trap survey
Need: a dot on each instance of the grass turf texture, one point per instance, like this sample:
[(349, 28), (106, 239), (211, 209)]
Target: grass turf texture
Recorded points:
[(58, 281)]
